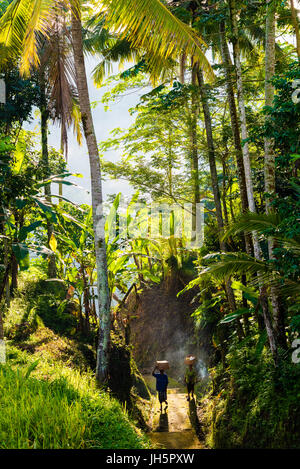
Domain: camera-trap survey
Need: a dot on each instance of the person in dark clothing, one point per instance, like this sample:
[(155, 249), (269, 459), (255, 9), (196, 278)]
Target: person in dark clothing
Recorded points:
[(161, 386)]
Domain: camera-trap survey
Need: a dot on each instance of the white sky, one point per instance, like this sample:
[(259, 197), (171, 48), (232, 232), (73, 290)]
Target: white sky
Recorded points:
[(105, 122)]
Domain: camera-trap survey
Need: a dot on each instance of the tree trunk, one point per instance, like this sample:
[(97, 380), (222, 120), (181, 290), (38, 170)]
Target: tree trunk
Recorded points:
[(235, 127), (241, 105), (215, 186), (182, 68), (194, 151), (86, 300), (14, 275), (2, 289), (97, 202), (52, 273), (245, 148), (269, 96), (6, 251), (269, 168), (224, 158), (62, 150), (296, 25), (211, 154)]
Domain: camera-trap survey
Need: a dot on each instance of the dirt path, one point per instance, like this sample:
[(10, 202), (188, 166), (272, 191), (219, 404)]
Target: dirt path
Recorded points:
[(172, 429)]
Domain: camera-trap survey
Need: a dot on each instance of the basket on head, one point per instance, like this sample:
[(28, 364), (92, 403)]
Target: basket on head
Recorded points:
[(163, 365), (190, 360)]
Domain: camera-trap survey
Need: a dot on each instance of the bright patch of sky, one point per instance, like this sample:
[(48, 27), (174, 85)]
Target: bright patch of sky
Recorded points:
[(104, 122)]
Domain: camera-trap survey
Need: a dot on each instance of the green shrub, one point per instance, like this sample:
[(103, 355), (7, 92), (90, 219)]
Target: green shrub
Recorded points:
[(253, 404)]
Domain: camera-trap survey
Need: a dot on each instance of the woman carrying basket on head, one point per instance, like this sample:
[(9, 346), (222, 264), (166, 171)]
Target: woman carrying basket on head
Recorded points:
[(190, 376), (161, 385)]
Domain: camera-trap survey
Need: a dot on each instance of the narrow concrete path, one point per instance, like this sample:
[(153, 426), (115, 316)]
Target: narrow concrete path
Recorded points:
[(172, 428)]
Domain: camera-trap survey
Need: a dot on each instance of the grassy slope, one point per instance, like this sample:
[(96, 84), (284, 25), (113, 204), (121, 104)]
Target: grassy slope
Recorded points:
[(48, 396)]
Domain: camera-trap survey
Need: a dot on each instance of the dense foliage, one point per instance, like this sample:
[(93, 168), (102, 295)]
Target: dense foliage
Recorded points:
[(217, 125)]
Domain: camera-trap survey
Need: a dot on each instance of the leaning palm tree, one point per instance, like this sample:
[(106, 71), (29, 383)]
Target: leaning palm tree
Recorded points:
[(149, 25)]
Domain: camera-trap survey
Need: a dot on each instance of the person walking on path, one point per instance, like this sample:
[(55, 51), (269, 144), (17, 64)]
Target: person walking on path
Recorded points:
[(161, 386), (190, 379)]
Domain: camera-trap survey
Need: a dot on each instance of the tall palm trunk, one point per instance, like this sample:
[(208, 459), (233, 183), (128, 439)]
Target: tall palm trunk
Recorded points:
[(235, 127), (295, 22), (241, 104), (269, 167), (182, 67), (52, 273), (247, 164), (97, 202), (215, 186), (211, 154), (194, 151), (234, 118)]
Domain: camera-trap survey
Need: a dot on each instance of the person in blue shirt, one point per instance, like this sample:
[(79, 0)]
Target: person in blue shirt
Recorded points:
[(161, 386)]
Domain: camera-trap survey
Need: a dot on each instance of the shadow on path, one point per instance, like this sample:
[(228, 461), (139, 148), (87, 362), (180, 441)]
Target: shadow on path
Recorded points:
[(163, 423), (194, 418), (173, 429)]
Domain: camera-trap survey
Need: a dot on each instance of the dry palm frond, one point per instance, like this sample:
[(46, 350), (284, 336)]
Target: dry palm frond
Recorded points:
[(58, 58)]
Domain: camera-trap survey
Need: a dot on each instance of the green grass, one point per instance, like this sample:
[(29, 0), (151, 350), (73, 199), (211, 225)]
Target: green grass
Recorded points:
[(48, 393), (47, 405)]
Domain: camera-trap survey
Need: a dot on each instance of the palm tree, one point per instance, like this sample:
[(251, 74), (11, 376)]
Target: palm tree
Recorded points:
[(269, 96), (296, 25), (44, 111), (234, 121), (149, 25), (269, 166), (246, 156)]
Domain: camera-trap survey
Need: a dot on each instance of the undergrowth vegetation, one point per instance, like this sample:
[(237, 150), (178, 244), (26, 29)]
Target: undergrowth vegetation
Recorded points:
[(49, 397), (251, 403)]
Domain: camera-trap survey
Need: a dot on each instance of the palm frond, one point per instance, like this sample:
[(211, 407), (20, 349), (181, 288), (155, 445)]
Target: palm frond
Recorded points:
[(13, 24), (250, 222), (261, 223), (149, 24), (95, 36), (235, 264), (25, 24), (119, 52)]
